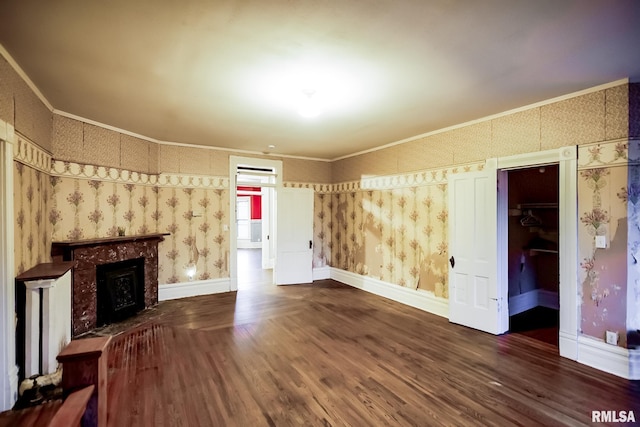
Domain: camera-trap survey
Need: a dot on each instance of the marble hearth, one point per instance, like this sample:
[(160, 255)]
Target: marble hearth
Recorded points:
[(88, 254)]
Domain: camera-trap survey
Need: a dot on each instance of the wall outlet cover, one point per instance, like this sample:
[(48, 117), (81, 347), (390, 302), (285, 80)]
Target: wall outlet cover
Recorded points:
[(611, 338), (601, 242)]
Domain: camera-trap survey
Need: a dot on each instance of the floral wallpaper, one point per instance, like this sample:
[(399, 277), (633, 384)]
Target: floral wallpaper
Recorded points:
[(195, 217), (322, 224), (390, 228), (632, 200), (88, 202), (31, 202), (603, 196)]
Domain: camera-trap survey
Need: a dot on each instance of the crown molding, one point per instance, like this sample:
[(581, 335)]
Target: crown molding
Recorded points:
[(7, 56)]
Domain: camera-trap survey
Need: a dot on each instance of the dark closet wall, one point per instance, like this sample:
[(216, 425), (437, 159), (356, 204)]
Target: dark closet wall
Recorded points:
[(530, 243)]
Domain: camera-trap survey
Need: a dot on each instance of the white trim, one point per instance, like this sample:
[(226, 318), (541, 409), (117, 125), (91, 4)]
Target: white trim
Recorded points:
[(8, 369), (548, 299), (568, 250), (422, 300), (248, 244), (568, 344), (606, 357), (493, 116), (191, 289), (535, 298), (567, 158), (322, 273), (634, 364), (523, 302)]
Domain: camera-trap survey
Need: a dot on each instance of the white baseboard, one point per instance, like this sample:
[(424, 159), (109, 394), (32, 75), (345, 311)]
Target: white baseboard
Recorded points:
[(568, 345), (248, 244), (606, 357), (415, 298), (528, 300), (12, 393), (634, 363), (191, 289), (523, 302), (548, 299), (322, 273)]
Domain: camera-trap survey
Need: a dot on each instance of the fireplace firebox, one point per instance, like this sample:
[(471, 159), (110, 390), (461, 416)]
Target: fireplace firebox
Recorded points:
[(120, 289)]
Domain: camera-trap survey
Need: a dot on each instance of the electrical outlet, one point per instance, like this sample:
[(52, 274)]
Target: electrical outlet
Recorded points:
[(601, 242), (612, 338)]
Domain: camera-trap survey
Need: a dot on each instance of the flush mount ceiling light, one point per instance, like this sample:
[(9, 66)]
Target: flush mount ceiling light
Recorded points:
[(309, 105)]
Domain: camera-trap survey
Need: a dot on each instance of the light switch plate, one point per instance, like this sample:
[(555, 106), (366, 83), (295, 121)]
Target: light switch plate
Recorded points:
[(612, 338), (601, 242)]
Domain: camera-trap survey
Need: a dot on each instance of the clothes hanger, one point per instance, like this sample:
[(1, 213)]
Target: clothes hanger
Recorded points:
[(530, 220)]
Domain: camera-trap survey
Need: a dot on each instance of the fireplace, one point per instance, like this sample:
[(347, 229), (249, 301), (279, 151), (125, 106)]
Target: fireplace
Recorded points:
[(131, 286), (120, 288)]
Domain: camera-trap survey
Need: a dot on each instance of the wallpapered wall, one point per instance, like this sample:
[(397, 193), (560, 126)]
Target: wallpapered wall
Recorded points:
[(390, 228), (602, 205), (593, 117), (88, 201), (20, 107), (76, 141), (31, 194), (31, 207)]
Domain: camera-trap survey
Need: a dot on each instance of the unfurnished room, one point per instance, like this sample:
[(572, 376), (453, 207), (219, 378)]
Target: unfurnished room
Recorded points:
[(374, 212)]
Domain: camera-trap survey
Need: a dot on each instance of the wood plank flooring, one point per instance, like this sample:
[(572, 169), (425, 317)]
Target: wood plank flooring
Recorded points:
[(330, 355)]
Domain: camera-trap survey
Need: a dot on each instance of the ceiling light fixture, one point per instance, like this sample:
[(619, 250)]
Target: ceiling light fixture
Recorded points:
[(309, 105)]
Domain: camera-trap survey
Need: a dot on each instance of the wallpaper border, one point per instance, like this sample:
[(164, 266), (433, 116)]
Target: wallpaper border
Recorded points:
[(102, 173), (30, 154), (605, 154), (388, 182)]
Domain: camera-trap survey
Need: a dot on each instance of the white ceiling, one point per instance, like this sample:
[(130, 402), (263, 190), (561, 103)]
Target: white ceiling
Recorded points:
[(227, 73)]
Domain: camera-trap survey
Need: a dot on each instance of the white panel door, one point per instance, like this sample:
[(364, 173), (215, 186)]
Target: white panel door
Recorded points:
[(473, 287), (294, 236)]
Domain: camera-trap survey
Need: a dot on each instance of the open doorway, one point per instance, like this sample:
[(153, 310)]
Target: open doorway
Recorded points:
[(533, 252), (254, 183), (254, 230)]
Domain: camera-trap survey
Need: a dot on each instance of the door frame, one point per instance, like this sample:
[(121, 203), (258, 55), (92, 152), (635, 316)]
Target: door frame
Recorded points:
[(234, 162), (8, 368), (567, 159)]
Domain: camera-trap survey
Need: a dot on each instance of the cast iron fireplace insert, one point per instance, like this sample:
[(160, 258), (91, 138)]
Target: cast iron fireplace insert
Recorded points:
[(120, 290)]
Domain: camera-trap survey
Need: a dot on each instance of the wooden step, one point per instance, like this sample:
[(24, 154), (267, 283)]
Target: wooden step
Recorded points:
[(56, 413)]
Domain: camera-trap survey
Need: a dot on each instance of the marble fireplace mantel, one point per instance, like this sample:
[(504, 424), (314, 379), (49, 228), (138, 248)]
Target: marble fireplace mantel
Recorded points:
[(89, 253)]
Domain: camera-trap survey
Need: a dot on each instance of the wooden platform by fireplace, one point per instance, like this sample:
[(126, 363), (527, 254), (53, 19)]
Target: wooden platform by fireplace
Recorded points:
[(89, 253)]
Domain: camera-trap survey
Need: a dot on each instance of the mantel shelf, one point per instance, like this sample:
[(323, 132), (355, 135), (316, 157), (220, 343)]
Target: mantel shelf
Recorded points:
[(107, 240)]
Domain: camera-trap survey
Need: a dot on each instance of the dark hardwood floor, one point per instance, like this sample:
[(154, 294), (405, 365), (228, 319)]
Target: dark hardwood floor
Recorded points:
[(327, 354), (541, 323)]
